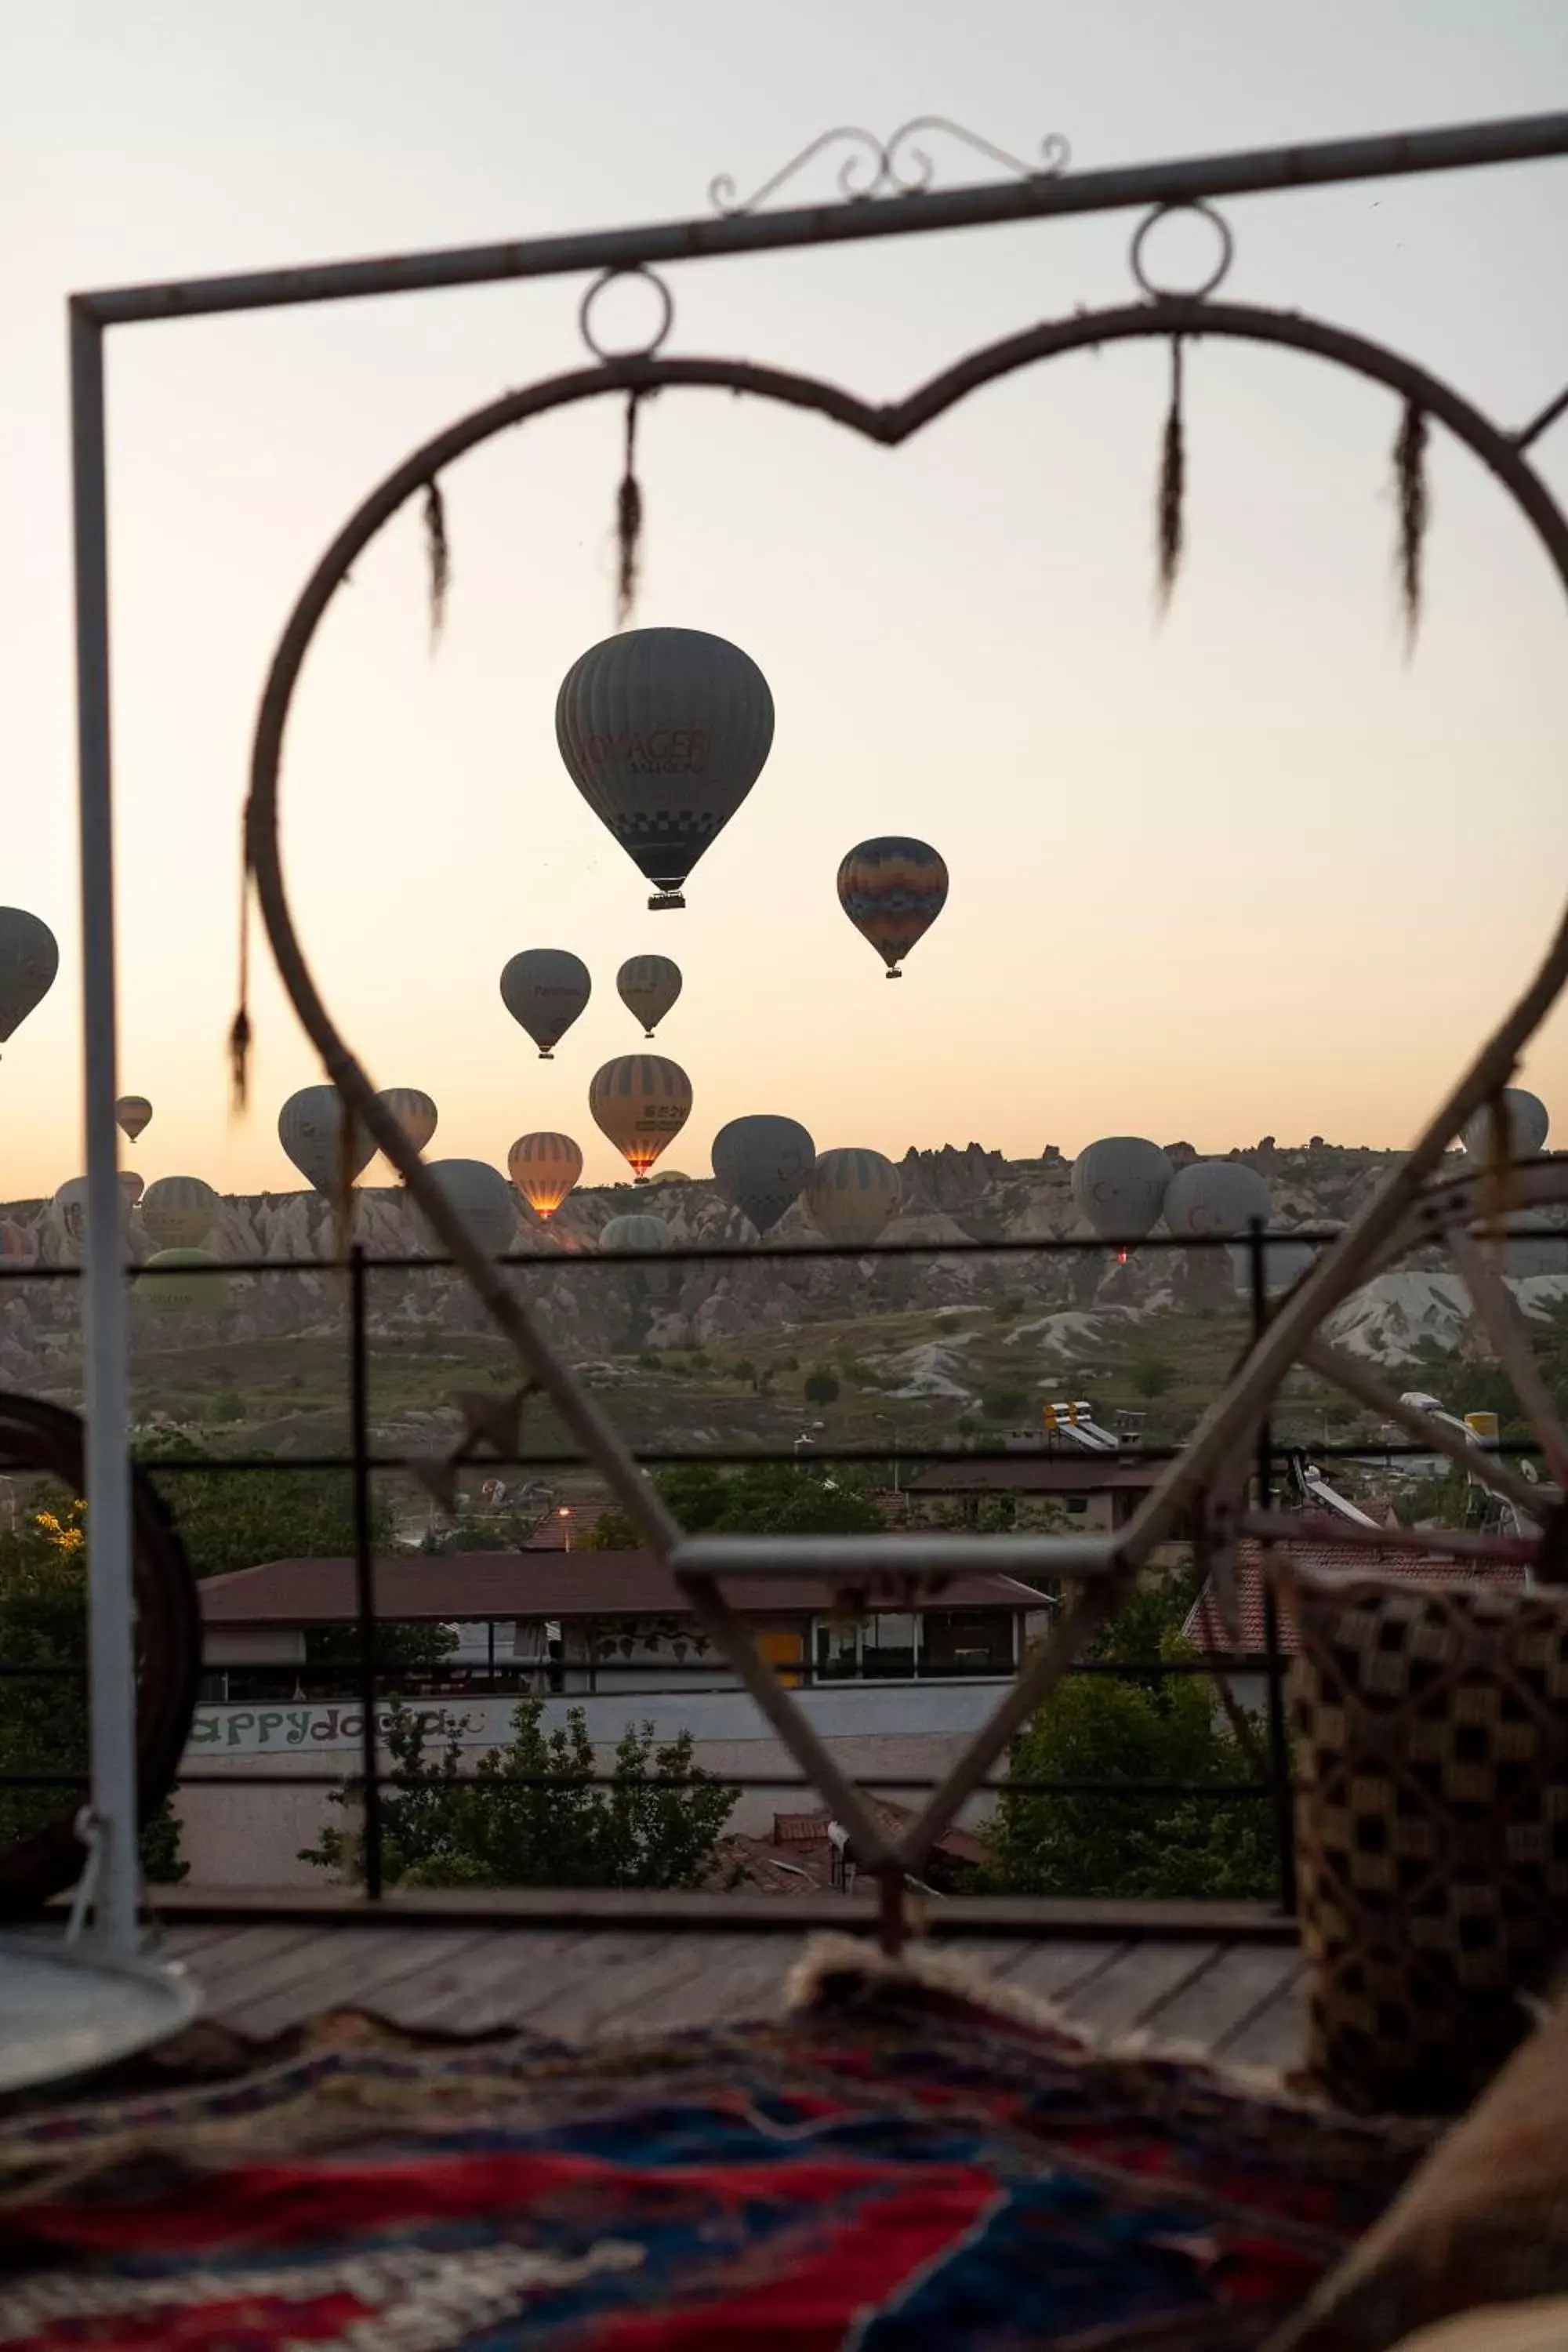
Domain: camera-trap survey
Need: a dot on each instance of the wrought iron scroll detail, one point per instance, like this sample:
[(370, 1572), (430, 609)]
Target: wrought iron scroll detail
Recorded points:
[(870, 167)]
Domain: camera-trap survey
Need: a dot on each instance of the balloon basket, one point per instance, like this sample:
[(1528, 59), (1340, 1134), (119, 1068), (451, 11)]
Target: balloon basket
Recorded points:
[(663, 898), (66, 2011), (544, 1057), (893, 973)]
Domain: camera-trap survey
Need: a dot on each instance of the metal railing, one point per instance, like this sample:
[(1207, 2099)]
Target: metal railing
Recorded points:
[(362, 1464)]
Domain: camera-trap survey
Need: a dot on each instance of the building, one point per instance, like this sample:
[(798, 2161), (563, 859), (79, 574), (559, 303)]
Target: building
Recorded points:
[(898, 1692), (1095, 1492)]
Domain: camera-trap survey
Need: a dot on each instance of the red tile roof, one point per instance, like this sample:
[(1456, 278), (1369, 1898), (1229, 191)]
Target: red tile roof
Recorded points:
[(1203, 1628), (473, 1586), (563, 1527), (1037, 1474)]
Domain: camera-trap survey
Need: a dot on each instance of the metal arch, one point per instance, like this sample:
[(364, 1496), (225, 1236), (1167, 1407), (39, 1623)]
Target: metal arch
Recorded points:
[(1229, 1421)]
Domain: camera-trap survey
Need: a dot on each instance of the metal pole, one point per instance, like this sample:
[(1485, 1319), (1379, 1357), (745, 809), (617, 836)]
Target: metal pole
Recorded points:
[(364, 1570), (111, 1665), (1278, 1743)]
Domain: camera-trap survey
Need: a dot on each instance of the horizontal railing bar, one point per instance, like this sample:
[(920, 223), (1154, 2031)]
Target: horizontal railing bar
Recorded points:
[(926, 1552), (1184, 180)]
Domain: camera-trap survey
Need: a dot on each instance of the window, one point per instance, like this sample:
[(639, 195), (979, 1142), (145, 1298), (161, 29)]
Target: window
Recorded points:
[(838, 1649), (887, 1646), (966, 1641)]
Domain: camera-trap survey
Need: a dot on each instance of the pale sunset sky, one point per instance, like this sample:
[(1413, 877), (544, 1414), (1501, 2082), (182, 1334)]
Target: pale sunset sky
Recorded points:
[(1244, 871)]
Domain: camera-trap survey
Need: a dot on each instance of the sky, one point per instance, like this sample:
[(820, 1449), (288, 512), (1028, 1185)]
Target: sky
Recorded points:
[(1244, 870)]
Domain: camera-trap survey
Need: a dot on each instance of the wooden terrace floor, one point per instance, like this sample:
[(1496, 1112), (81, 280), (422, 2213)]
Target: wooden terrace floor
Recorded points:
[(1239, 1998)]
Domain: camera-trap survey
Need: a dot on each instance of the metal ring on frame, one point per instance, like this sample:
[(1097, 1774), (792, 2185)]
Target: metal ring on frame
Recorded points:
[(637, 350), (1201, 292)]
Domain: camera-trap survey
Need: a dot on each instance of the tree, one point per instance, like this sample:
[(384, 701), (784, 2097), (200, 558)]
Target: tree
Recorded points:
[(821, 1385), (529, 1815), (1003, 1402), (1151, 1377), (44, 1720), (768, 1498)]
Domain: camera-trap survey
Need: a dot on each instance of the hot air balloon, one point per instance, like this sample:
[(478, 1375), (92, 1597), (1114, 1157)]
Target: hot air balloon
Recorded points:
[(544, 988), (639, 1101), (29, 959), (132, 1186), (179, 1213), (634, 1233), (850, 1194), (670, 1176), (664, 732), (545, 1167), (71, 1209), (171, 1282), (761, 1163), (414, 1112), (311, 1130), (648, 986), (892, 890), (131, 1114), (1214, 1196), (482, 1198), (1120, 1184), (1528, 1123)]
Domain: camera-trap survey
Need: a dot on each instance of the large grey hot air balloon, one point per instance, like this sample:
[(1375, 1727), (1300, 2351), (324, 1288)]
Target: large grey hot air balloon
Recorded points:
[(29, 959), (1528, 1125), (635, 1232), (414, 1112), (761, 1163), (482, 1198), (850, 1194), (640, 1101), (133, 1113), (1120, 1184), (310, 1128), (179, 1213), (648, 985), (70, 1213), (664, 732), (1214, 1196), (545, 1167), (544, 988)]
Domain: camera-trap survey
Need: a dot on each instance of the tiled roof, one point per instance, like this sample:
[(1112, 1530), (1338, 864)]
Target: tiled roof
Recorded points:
[(1204, 1630), (471, 1587), (1037, 1474)]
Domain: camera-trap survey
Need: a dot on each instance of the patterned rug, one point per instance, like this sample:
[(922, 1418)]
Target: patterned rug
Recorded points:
[(895, 2163)]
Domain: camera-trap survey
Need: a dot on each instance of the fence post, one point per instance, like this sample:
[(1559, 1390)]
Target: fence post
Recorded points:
[(364, 1569), (1279, 1744)]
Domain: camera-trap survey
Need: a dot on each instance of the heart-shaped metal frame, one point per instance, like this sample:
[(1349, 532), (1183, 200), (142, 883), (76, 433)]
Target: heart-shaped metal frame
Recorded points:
[(1103, 1568)]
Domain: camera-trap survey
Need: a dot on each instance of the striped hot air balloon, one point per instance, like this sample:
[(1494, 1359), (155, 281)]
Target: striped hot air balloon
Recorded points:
[(640, 1101), (762, 1162), (648, 985), (131, 1114), (850, 1194), (414, 1112), (664, 732), (545, 1167), (893, 889), (634, 1233), (179, 1213)]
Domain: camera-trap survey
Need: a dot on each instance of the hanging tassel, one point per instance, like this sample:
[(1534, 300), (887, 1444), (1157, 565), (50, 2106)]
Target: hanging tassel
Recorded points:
[(628, 524), (1168, 508), (438, 550), (239, 1032), (1414, 511)]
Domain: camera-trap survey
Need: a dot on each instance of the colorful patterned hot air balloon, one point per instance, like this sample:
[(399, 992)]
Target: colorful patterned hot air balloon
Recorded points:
[(544, 988), (311, 1130), (1119, 1185), (664, 732), (761, 1163), (545, 1167), (648, 986), (1528, 1125), (131, 1114), (482, 1198), (850, 1194), (414, 1112), (29, 959), (634, 1233), (892, 890), (640, 1101), (179, 1213), (174, 1281)]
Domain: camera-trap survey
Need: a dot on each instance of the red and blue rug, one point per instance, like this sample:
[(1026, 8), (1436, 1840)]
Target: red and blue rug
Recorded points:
[(895, 2164)]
